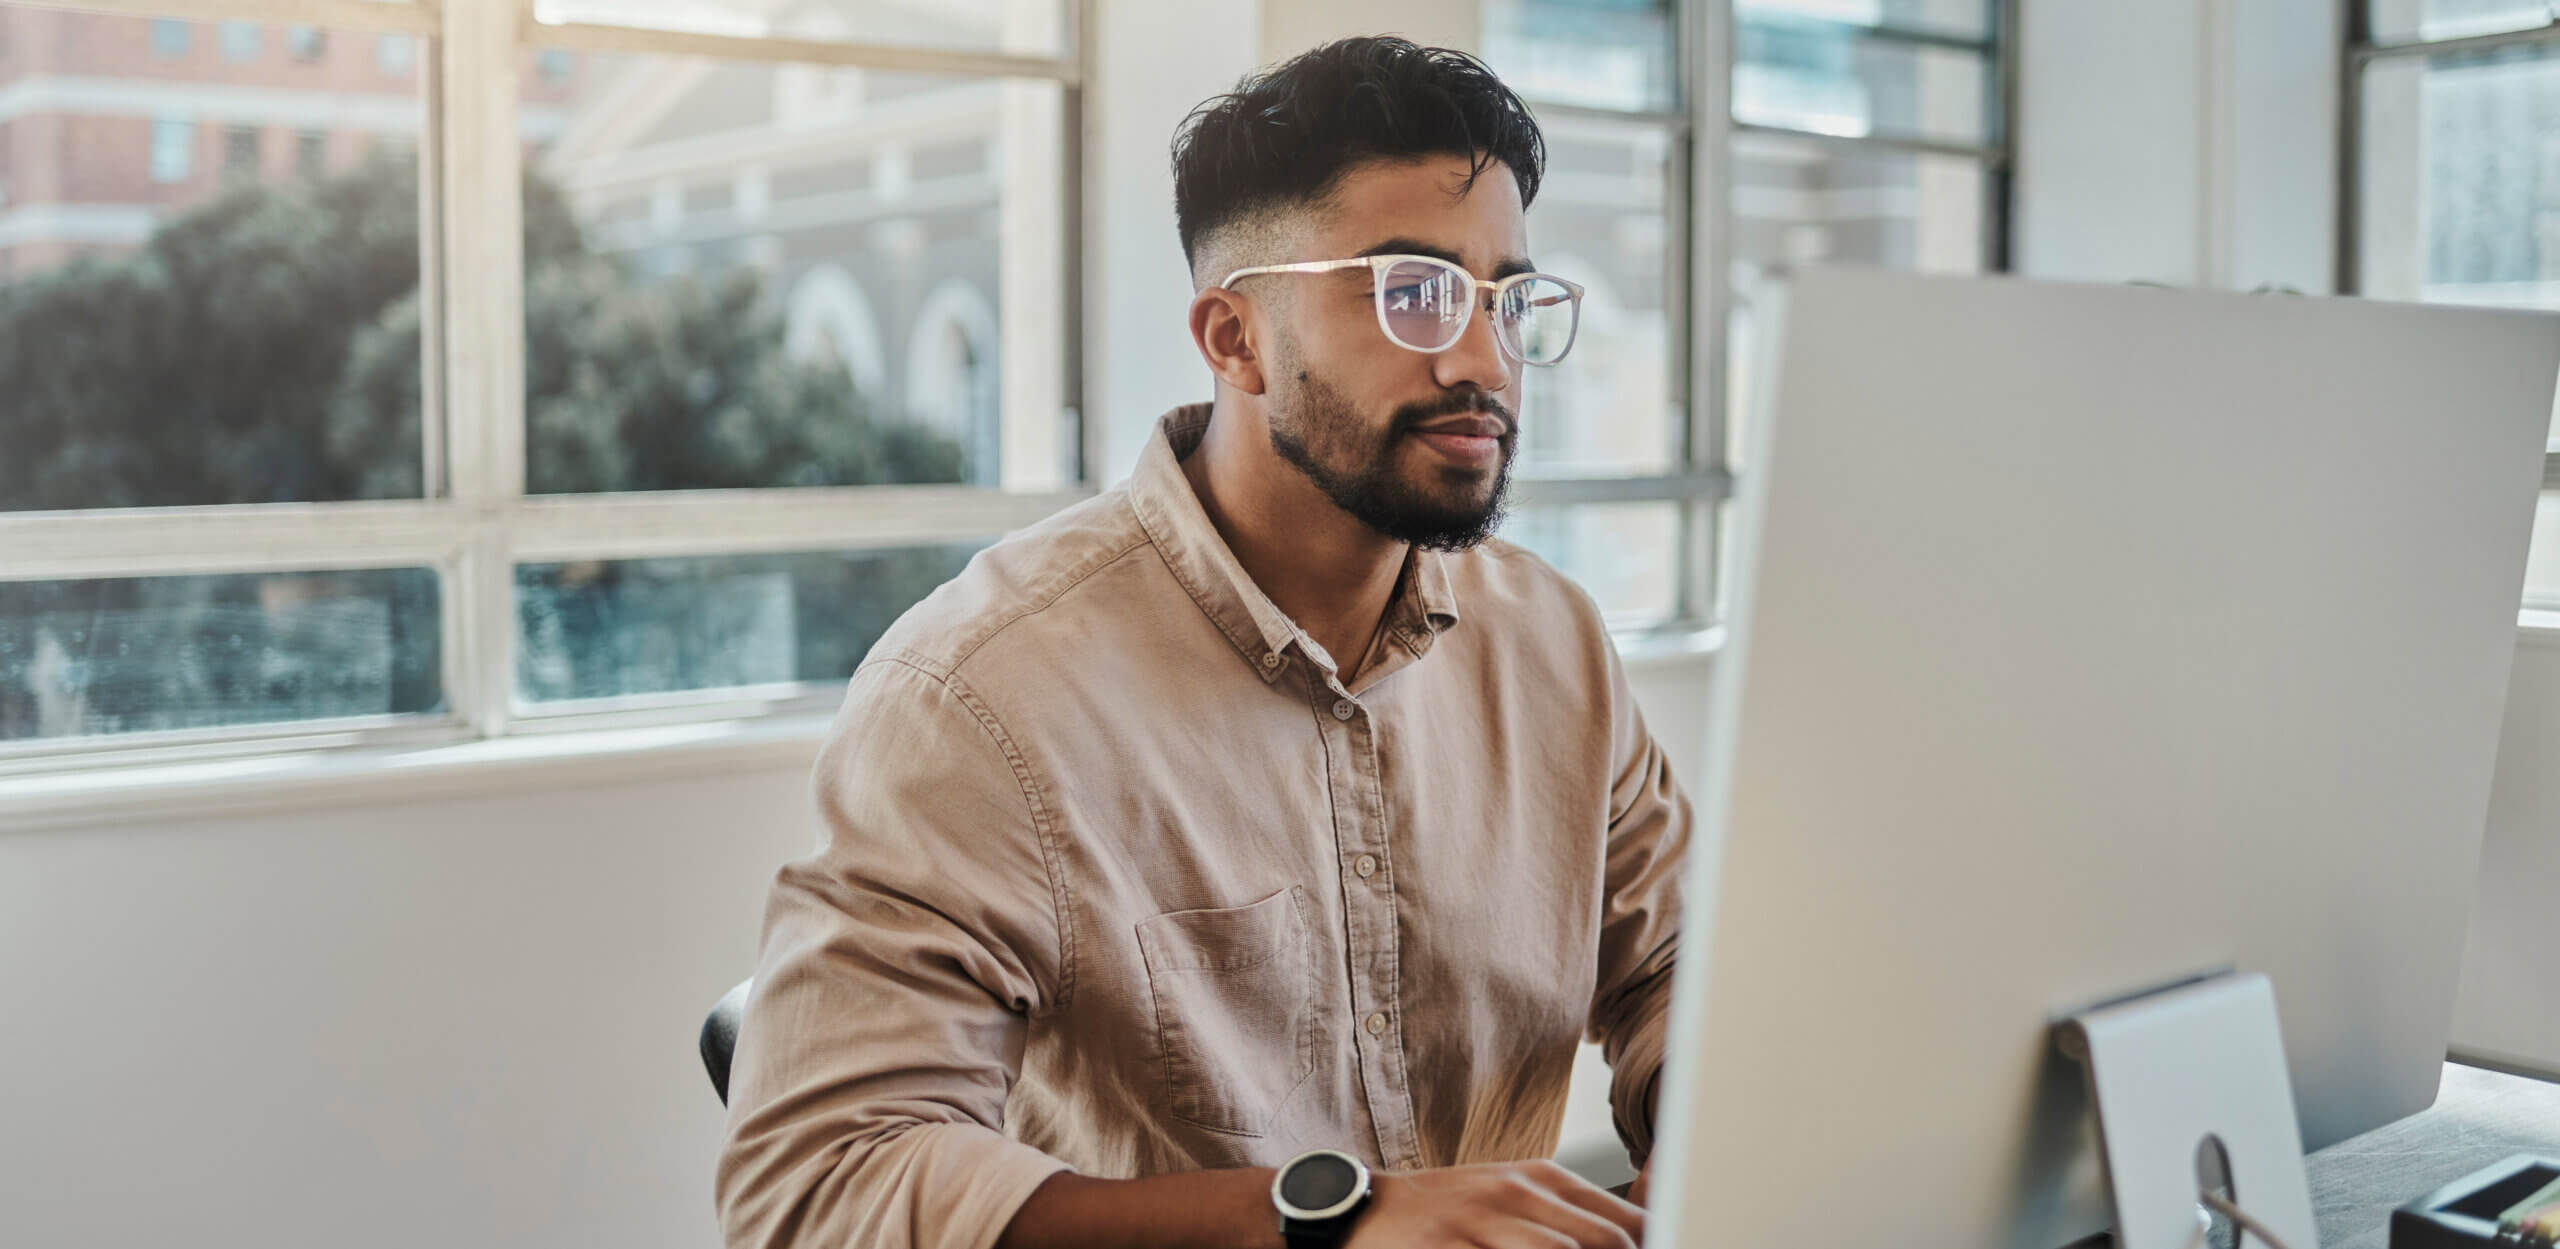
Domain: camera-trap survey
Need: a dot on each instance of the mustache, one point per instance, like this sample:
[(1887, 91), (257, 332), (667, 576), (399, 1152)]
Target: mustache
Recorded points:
[(1413, 416)]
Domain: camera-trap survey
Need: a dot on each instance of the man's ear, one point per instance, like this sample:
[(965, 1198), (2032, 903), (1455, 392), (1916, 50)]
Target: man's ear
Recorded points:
[(1222, 326)]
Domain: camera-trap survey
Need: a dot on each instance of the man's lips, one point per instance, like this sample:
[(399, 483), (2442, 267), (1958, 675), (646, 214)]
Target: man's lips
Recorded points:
[(1475, 441), (1469, 427)]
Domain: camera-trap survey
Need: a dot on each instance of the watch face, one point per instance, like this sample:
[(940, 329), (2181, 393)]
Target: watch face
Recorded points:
[(1319, 1182)]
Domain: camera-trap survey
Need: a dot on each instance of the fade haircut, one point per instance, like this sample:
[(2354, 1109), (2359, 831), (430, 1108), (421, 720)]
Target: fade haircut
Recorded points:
[(1284, 139)]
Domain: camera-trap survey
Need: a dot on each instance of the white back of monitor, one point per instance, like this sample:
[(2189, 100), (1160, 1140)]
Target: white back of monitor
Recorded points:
[(2083, 637)]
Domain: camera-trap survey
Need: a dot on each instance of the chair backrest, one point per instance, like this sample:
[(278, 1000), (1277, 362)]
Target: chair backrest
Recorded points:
[(720, 1036)]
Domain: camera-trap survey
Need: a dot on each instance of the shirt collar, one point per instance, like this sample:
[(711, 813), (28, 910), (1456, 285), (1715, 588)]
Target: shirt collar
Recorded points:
[(1170, 512)]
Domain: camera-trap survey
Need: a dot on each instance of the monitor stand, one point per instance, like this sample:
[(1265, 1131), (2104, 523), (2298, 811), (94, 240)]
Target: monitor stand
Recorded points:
[(2185, 1072)]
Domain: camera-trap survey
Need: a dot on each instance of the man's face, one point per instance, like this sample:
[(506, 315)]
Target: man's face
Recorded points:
[(1416, 445)]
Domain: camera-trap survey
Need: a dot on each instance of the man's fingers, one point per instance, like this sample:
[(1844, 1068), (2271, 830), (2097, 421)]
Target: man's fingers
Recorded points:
[(1571, 1211), (1600, 1203)]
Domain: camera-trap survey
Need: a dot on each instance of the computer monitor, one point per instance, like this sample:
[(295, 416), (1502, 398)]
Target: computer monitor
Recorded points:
[(2082, 638)]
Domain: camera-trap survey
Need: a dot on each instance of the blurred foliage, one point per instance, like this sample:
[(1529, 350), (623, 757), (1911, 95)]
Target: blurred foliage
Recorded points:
[(265, 347)]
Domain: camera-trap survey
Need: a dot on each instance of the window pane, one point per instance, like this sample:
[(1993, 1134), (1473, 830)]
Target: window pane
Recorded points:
[(242, 41), (610, 628), (1614, 54), (2459, 200), (1960, 19), (139, 654), (2461, 180), (1626, 554), (744, 274), (1797, 201), (1014, 27), (2404, 21), (1602, 219), (1829, 78), (184, 320)]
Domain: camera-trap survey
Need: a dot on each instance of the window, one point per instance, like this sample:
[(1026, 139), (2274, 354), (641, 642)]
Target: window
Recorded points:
[(395, 54), (310, 153), (242, 41), (170, 37), (239, 152), (1866, 131), (305, 43), (173, 150), (679, 463), (2455, 194)]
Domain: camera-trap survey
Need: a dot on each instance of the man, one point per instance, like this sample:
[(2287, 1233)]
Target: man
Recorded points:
[(1238, 857)]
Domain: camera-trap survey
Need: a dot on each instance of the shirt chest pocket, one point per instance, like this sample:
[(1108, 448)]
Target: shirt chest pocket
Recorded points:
[(1234, 994)]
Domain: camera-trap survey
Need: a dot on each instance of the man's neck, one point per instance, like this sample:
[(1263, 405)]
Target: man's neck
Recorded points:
[(1323, 568)]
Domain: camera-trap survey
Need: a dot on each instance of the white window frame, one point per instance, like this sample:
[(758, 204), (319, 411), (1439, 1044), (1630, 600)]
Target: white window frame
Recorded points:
[(476, 524)]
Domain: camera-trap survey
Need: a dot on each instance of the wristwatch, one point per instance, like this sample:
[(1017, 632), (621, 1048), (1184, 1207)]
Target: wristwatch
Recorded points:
[(1319, 1193)]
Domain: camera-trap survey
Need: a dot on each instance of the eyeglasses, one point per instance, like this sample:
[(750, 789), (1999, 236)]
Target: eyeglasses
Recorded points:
[(1424, 304)]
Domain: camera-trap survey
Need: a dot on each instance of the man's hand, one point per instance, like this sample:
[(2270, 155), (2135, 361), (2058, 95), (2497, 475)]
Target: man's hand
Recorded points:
[(1502, 1205)]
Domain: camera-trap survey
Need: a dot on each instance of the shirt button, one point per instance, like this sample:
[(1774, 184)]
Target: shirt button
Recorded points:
[(1366, 865), (1378, 1024), (1270, 659), (1342, 709)]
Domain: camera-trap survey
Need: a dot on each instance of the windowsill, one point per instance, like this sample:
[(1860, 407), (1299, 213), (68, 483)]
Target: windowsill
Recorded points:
[(2538, 627), (295, 780), (302, 779), (289, 780)]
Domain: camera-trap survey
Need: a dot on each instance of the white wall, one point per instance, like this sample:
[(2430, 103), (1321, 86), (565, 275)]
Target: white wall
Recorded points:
[(419, 1024), (1154, 61)]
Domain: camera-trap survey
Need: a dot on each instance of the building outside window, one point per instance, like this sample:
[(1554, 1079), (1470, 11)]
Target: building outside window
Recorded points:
[(305, 43), (170, 37)]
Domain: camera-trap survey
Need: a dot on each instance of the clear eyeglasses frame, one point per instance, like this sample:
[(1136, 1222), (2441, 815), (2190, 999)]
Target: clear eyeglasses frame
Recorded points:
[(1425, 303)]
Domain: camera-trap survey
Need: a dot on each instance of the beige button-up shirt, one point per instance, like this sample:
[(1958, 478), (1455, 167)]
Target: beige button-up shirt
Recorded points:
[(1119, 874)]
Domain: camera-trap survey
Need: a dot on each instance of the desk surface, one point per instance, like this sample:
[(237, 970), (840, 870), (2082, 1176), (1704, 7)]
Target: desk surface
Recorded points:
[(2479, 1117)]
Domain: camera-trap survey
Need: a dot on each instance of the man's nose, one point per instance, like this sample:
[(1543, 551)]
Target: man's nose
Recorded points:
[(1476, 359)]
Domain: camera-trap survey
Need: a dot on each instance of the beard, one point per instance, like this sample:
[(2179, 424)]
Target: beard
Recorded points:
[(1319, 434)]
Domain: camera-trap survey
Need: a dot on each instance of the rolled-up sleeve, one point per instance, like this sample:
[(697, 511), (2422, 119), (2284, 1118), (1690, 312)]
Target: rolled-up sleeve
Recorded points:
[(903, 965), (1640, 917)]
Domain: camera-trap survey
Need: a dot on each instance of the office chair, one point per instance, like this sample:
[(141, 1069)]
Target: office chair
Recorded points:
[(720, 1036)]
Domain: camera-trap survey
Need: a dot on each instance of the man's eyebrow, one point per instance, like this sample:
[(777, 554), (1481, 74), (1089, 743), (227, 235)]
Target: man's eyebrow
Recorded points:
[(1416, 247)]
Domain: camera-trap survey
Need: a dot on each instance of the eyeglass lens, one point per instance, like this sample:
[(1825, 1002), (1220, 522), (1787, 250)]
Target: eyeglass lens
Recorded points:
[(1425, 307)]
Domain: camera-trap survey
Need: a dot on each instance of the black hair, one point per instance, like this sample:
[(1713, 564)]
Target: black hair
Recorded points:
[(1286, 137)]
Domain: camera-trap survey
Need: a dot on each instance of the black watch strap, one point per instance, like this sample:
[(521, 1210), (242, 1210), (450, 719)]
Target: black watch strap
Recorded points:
[(1315, 1235)]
